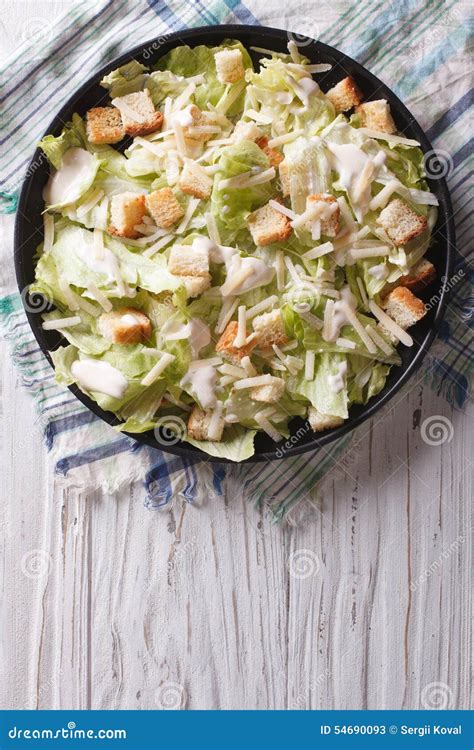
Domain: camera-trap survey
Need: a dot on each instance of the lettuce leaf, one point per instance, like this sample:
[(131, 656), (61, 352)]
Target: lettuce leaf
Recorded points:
[(236, 444), (127, 79)]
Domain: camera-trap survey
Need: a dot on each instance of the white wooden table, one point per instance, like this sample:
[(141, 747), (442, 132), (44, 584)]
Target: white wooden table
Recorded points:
[(366, 605)]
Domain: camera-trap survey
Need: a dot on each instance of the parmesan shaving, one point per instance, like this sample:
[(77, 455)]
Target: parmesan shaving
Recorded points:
[(359, 328), (96, 196), (226, 313), (282, 209), (128, 111), (345, 343), (253, 382), (156, 371), (388, 137), (241, 336), (318, 252), (248, 366), (258, 117), (261, 306), (309, 366), (190, 209), (280, 269), (214, 429), (99, 297), (157, 246), (267, 427), (212, 227), (59, 323), (362, 291), (48, 228), (381, 199), (390, 324), (378, 340), (286, 138)]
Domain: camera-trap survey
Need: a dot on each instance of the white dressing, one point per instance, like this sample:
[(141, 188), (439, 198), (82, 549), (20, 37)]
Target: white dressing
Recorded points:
[(100, 377), (339, 317), (337, 381), (350, 162), (73, 178), (253, 273), (107, 264), (201, 381), (379, 272)]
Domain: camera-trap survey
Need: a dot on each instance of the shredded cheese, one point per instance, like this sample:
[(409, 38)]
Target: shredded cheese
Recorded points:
[(212, 227), (214, 430), (128, 111), (59, 323), (286, 138), (226, 312), (99, 297), (233, 371), (390, 324), (190, 209), (319, 251), (311, 319), (381, 199), (248, 366), (258, 117), (388, 137), (378, 340), (241, 336), (267, 427), (309, 365), (48, 228), (96, 196), (72, 299), (157, 246), (345, 343), (282, 209), (362, 291), (358, 253), (156, 371), (280, 269), (359, 328), (261, 306), (253, 382)]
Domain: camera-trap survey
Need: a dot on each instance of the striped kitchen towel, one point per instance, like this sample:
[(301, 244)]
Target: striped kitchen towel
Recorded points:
[(418, 48)]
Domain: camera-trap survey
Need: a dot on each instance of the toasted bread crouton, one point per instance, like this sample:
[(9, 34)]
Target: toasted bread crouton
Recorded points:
[(186, 260), (192, 119), (246, 131), (199, 423), (226, 347), (138, 113), (284, 178), (270, 329), (269, 393), (345, 95), (376, 116), (267, 225), (126, 211), (400, 222), (104, 125), (320, 422), (195, 285), (330, 212), (125, 326), (403, 307), (274, 157), (422, 274), (194, 181), (164, 207), (229, 65)]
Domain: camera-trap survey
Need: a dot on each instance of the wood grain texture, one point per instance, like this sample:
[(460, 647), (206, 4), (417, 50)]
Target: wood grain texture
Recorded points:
[(364, 604)]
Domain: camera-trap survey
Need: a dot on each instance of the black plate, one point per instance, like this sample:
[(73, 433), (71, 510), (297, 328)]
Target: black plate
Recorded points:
[(28, 229)]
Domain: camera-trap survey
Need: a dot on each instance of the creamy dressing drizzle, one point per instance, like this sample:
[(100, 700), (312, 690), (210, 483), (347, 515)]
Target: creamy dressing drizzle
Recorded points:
[(100, 377), (201, 381), (379, 272), (183, 118), (197, 331), (255, 271), (337, 382), (72, 179), (108, 264), (339, 317), (349, 162)]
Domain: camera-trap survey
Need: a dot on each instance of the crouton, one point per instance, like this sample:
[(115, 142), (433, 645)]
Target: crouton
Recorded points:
[(229, 65), (422, 274), (267, 225), (226, 347), (104, 125), (199, 423), (274, 157), (195, 285), (320, 422), (270, 329), (138, 113), (126, 211), (125, 326), (345, 95), (403, 307), (284, 178), (400, 222), (186, 260), (194, 181), (376, 116), (330, 214), (246, 131), (193, 117), (269, 393), (164, 208)]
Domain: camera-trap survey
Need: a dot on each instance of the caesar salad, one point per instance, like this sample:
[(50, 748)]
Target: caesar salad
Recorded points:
[(231, 247)]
